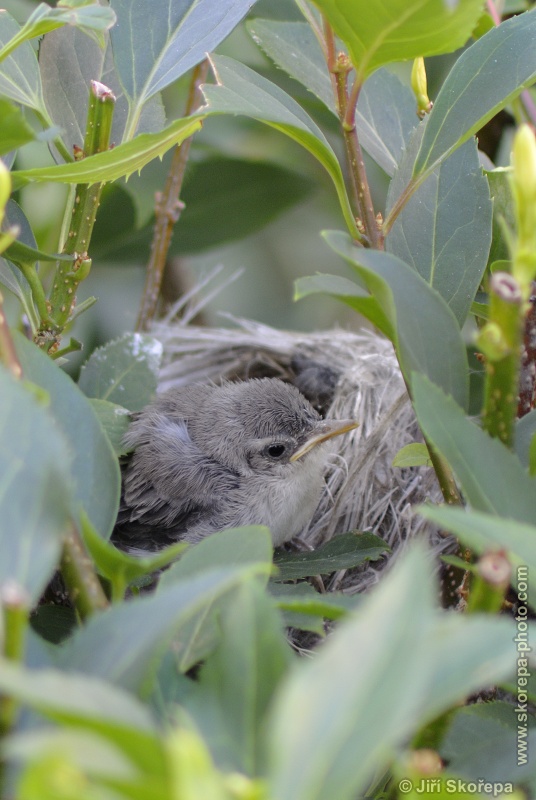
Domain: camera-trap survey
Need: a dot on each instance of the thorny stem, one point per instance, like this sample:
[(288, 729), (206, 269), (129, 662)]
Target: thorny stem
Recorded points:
[(8, 354), (168, 209), (80, 577), (339, 66), (68, 275)]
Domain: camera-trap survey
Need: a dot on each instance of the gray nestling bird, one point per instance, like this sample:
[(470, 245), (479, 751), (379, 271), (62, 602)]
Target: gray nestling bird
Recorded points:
[(209, 457)]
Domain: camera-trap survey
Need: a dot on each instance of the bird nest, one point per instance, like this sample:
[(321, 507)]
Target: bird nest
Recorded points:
[(346, 375)]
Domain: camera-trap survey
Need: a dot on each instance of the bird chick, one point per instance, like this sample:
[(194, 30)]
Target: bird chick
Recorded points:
[(209, 457)]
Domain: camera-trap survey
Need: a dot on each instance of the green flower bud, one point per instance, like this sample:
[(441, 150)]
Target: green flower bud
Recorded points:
[(5, 189), (419, 85), (492, 343), (524, 164)]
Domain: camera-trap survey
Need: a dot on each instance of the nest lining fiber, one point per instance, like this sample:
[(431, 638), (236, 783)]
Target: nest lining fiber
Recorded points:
[(362, 489)]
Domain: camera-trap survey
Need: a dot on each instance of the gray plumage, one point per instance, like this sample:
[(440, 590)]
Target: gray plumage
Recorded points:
[(209, 457)]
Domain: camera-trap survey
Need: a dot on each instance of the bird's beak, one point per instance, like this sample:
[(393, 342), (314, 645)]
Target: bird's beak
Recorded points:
[(324, 430)]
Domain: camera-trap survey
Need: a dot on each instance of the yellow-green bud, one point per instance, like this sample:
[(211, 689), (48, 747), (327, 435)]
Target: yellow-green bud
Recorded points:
[(5, 189), (492, 343), (419, 84), (524, 164)]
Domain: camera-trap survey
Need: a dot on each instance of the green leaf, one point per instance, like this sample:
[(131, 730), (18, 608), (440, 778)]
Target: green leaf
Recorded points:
[(343, 552), (486, 77), (484, 532), (240, 677), (138, 632), (95, 470), (301, 598), (503, 213), (15, 131), (427, 342), (385, 110), (181, 36), (225, 198), (124, 371), (25, 249), (69, 58), (19, 73), (490, 476), (412, 455), (10, 275), (346, 706), (115, 421), (121, 161), (347, 292), (482, 739), (241, 91), (229, 548), (381, 32), (89, 17), (444, 229), (90, 703), (35, 488), (524, 436)]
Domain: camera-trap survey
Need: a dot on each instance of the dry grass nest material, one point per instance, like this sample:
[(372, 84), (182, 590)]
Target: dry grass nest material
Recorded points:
[(362, 381)]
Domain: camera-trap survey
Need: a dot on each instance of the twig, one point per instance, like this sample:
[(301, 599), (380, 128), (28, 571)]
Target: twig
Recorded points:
[(168, 209), (80, 577)]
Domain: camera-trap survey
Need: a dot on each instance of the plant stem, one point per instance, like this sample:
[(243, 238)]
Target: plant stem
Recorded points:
[(168, 209), (80, 577), (15, 611), (339, 66), (500, 339), (62, 297), (8, 354)]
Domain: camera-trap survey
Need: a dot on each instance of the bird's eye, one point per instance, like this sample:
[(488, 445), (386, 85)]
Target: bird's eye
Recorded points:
[(276, 450)]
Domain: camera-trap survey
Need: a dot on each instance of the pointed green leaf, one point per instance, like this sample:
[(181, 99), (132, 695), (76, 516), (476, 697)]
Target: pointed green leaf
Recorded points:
[(483, 80), (412, 455), (10, 275), (88, 16), (138, 632), (36, 493), (490, 476), (95, 470), (444, 229), (24, 249), (121, 161), (242, 674), (240, 90), (385, 110), (347, 292), (123, 371), (427, 342), (181, 36), (19, 73), (382, 31), (343, 552), (483, 532)]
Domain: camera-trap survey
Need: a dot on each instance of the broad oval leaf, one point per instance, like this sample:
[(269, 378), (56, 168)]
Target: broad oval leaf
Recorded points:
[(124, 371), (444, 229), (36, 492), (428, 341), (121, 161), (15, 131), (69, 59), (240, 90), (181, 34), (386, 108), (483, 80), (490, 476), (95, 470), (378, 32)]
